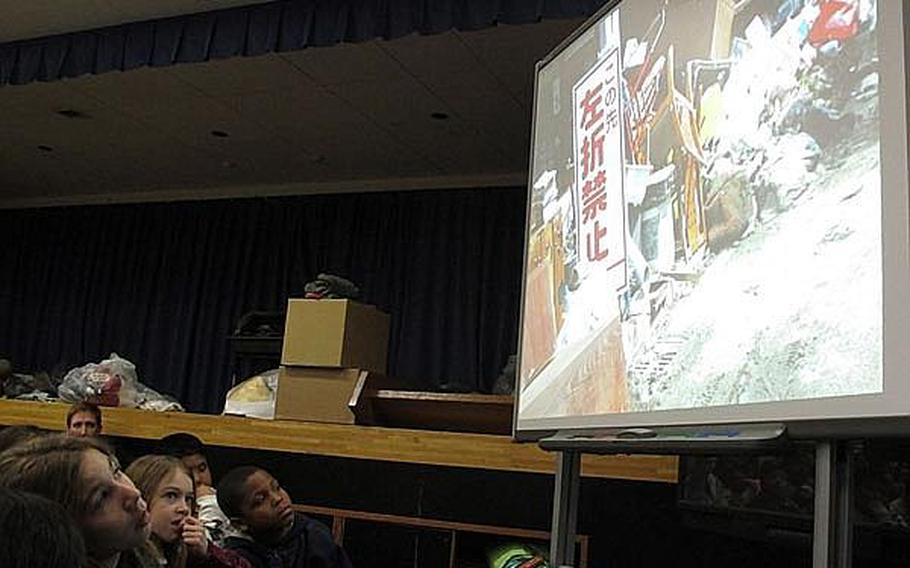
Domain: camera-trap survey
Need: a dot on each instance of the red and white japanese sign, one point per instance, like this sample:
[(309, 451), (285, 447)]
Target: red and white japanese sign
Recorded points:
[(599, 203)]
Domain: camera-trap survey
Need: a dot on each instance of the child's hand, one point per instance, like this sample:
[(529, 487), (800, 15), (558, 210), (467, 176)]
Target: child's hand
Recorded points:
[(204, 491), (194, 537)]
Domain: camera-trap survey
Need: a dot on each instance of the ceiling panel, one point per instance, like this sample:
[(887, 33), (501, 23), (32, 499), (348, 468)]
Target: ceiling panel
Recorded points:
[(119, 88), (395, 102), (241, 75), (476, 96), (431, 54), (346, 63), (301, 109), (38, 99), (326, 118), (511, 52)]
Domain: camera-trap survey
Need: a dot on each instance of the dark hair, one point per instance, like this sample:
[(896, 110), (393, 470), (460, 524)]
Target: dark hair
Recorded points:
[(51, 466), (180, 445), (15, 435), (38, 532), (232, 490), (83, 406)]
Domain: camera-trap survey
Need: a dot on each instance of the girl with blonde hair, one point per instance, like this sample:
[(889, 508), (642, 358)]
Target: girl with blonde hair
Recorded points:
[(178, 539)]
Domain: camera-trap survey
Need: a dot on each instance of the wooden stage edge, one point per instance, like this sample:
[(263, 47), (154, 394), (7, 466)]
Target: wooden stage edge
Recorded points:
[(448, 449)]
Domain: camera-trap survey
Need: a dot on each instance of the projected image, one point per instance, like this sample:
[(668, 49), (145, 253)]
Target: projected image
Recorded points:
[(705, 211)]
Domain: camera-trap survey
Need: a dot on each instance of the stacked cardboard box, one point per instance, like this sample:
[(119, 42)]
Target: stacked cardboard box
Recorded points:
[(328, 346)]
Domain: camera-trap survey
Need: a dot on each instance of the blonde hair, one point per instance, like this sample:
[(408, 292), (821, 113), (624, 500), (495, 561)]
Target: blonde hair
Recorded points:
[(148, 473)]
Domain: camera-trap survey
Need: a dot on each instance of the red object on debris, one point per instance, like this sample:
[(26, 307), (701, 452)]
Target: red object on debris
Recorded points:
[(838, 20), (109, 394)]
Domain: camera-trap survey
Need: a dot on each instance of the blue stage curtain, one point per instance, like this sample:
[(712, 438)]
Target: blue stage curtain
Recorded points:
[(285, 25), (163, 284)]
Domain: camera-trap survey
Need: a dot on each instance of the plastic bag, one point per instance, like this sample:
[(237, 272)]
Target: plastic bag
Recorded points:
[(254, 397), (111, 382), (150, 399)]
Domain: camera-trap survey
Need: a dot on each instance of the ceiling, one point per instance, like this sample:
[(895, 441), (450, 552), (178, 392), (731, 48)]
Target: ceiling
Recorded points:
[(447, 110)]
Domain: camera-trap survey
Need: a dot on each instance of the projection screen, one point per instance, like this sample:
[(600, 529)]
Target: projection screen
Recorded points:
[(717, 220)]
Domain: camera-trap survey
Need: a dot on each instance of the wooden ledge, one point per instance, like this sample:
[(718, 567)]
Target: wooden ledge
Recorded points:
[(448, 449)]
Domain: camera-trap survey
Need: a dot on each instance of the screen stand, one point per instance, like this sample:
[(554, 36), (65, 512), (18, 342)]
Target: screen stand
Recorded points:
[(565, 508), (832, 542), (832, 538)]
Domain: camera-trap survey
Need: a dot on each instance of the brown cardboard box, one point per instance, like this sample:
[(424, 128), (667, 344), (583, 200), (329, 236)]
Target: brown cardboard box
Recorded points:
[(316, 394), (335, 333)]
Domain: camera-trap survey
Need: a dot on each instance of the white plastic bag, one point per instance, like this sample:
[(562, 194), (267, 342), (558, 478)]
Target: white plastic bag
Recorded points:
[(254, 397), (111, 382)]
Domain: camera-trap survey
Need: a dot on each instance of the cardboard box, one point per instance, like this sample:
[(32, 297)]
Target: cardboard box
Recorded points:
[(316, 394), (335, 333)]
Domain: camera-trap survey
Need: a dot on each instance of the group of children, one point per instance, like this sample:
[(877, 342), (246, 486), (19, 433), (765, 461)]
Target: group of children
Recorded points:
[(163, 510)]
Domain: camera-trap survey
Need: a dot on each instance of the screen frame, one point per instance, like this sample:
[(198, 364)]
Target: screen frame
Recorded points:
[(881, 414)]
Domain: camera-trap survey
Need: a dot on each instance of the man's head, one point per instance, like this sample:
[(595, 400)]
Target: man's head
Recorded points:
[(83, 420), (189, 450), (256, 503)]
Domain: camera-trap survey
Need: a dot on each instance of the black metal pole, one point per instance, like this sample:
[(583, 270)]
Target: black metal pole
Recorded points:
[(565, 509)]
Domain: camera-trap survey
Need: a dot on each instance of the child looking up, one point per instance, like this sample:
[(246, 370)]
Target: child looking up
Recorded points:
[(191, 452), (178, 539), (273, 535)]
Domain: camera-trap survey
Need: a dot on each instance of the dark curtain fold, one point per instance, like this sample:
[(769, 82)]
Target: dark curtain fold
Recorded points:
[(164, 284), (284, 25)]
